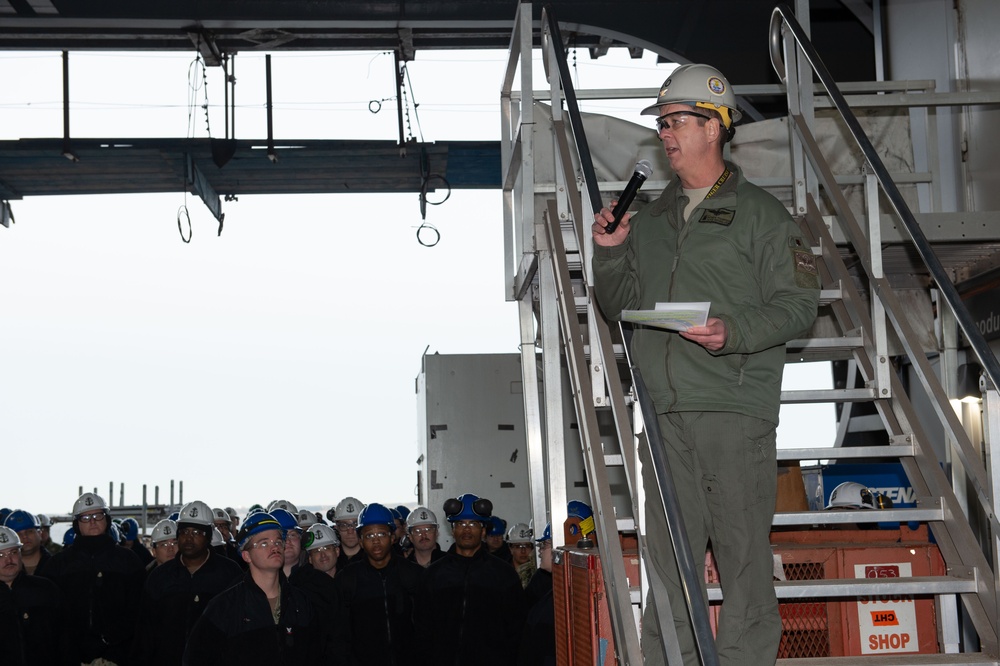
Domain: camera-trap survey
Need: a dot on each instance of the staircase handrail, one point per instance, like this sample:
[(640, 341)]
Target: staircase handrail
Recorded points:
[(784, 16)]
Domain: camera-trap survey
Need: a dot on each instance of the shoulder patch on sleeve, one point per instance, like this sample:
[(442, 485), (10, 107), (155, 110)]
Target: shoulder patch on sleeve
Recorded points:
[(806, 273)]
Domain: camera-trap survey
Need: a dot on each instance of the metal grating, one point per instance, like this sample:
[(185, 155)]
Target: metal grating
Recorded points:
[(561, 608), (583, 628), (806, 623)]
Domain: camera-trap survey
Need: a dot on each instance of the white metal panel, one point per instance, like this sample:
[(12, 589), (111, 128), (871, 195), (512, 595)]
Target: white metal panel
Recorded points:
[(473, 439), (979, 21), (921, 39)]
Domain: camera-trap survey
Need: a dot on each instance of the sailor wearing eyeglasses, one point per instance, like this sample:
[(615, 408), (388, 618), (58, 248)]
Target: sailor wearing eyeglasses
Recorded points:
[(261, 619), (163, 541), (315, 577), (469, 594), (522, 551), (345, 522), (422, 530), (31, 611), (375, 612), (101, 584)]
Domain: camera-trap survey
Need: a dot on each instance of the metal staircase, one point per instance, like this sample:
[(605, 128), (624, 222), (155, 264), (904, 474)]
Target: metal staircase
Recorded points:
[(547, 249)]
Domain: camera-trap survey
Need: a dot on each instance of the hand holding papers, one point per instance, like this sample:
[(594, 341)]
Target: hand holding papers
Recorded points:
[(671, 316)]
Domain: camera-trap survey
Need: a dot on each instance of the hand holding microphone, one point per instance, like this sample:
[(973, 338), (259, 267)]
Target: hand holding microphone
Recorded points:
[(643, 170)]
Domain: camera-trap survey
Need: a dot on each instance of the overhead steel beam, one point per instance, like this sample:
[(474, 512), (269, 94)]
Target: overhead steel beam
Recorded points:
[(676, 30), (8, 192)]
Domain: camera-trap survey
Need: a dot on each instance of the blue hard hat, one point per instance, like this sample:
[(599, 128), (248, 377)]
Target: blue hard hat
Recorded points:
[(174, 516), (254, 524), (130, 529), (546, 535), (286, 519), (578, 509), (468, 507), (4, 512), (68, 537), (376, 514), (21, 520), (404, 512), (498, 527)]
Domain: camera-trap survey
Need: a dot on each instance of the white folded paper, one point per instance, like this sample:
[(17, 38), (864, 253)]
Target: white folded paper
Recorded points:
[(671, 316)]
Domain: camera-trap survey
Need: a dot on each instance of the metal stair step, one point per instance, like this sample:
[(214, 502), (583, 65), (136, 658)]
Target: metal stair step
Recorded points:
[(823, 349), (827, 296), (847, 452), (957, 583), (964, 659), (931, 509), (617, 349), (827, 395), (625, 524)]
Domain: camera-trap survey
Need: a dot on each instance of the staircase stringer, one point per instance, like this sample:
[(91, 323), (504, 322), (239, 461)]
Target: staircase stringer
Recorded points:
[(956, 540)]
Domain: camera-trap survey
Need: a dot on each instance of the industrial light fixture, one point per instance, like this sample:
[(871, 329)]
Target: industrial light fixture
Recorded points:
[(967, 386)]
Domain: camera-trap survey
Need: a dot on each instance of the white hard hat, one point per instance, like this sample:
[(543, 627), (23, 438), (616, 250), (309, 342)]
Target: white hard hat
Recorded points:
[(421, 516), (88, 502), (305, 518), (9, 538), (217, 538), (319, 535), (699, 85), (851, 495), (196, 513), (520, 533), (165, 530), (220, 516), (283, 504), (43, 520), (348, 508)]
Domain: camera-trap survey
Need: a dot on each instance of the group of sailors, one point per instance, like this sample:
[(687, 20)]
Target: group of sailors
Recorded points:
[(281, 586)]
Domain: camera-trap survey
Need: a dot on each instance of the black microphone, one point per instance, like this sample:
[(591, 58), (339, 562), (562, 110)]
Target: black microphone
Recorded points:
[(643, 170)]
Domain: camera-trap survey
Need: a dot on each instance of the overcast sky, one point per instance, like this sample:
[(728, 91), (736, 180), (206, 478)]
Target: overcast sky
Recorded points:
[(275, 361)]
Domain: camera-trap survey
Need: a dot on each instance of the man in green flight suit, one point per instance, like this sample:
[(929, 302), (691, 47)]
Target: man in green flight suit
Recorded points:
[(711, 236)]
